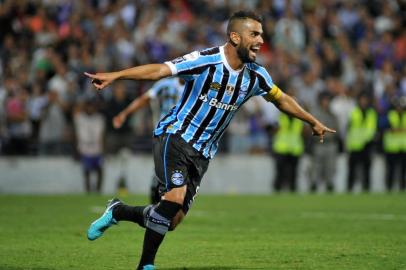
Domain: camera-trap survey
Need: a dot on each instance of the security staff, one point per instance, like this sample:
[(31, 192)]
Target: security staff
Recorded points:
[(360, 136), (394, 144), (288, 147)]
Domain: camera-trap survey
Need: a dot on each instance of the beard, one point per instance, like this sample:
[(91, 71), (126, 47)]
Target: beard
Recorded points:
[(244, 54)]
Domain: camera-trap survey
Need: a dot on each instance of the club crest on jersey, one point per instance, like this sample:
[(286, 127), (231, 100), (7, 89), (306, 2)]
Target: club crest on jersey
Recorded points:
[(215, 86), (177, 178), (229, 89)]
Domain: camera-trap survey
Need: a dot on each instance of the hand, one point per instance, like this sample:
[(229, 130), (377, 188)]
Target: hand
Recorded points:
[(319, 129), (119, 120), (101, 80)]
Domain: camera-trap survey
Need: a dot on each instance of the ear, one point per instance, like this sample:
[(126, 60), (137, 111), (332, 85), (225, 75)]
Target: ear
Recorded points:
[(235, 38)]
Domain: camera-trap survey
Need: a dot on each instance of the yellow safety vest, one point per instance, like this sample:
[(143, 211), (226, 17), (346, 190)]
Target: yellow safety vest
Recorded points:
[(361, 129), (394, 139), (288, 139), (403, 127)]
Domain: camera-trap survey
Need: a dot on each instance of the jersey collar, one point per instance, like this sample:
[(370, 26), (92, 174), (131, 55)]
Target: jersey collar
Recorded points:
[(223, 56)]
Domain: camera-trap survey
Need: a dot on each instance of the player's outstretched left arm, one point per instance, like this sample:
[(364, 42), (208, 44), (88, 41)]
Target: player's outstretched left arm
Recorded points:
[(288, 105), (144, 72)]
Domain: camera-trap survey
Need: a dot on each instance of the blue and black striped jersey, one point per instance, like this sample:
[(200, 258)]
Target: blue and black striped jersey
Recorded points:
[(213, 94)]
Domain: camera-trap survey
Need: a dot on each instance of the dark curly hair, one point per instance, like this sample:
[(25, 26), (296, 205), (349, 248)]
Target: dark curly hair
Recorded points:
[(241, 15)]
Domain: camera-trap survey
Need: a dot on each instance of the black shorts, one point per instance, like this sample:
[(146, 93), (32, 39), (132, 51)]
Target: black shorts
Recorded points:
[(177, 164)]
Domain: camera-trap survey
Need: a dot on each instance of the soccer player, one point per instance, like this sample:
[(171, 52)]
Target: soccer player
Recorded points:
[(219, 81), (162, 96)]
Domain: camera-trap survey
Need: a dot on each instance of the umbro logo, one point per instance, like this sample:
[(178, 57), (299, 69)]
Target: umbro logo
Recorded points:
[(215, 86)]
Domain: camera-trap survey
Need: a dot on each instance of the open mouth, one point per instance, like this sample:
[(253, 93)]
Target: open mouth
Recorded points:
[(255, 49)]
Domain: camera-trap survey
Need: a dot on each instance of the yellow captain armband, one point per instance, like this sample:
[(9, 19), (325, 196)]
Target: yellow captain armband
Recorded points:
[(274, 94)]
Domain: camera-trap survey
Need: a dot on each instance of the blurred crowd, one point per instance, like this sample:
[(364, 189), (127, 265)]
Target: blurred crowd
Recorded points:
[(329, 54)]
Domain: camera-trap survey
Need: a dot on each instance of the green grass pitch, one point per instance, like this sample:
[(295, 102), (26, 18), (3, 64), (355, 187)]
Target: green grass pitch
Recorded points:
[(220, 232)]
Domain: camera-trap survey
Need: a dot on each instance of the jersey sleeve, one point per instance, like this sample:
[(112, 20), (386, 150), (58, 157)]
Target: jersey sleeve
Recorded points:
[(191, 64), (266, 87)]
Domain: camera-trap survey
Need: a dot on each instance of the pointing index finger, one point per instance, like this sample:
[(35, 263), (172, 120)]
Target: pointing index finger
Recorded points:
[(90, 75)]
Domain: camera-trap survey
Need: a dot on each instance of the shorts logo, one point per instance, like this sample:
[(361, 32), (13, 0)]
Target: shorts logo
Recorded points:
[(177, 178)]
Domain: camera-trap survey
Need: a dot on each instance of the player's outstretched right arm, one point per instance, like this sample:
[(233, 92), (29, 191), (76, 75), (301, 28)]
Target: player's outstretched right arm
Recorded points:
[(145, 72)]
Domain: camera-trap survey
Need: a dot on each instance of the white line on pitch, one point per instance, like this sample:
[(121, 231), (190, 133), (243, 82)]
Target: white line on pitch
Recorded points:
[(363, 216)]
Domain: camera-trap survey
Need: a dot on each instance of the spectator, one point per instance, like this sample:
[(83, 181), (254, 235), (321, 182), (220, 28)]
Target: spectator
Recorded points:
[(324, 155), (348, 46), (18, 124), (90, 132), (53, 126), (341, 105), (120, 137), (310, 86), (60, 81), (36, 105), (289, 33)]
